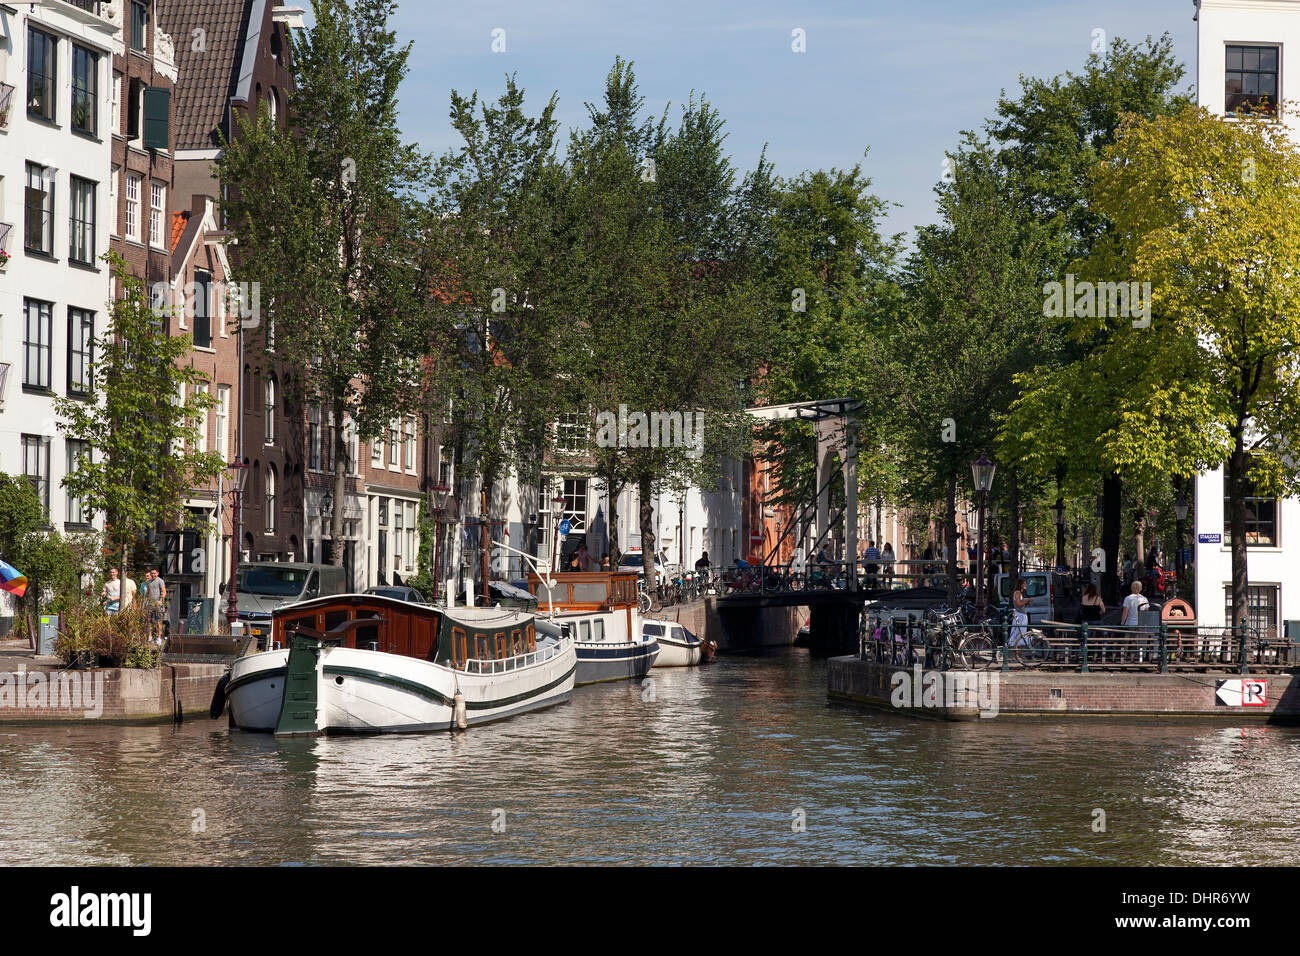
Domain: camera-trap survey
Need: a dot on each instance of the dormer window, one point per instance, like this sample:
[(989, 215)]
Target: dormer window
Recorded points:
[(1252, 80), (139, 24)]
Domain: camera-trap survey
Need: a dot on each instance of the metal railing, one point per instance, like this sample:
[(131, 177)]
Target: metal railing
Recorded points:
[(519, 661), (6, 95), (1168, 646)]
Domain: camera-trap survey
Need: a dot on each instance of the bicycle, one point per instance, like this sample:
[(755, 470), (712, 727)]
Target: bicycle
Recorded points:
[(645, 601)]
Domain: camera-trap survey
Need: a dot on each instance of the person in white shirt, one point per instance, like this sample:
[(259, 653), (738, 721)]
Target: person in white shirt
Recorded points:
[(1134, 603), (111, 595)]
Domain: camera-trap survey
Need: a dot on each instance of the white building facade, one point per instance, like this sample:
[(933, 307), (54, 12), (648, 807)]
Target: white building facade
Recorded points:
[(55, 185), (1248, 51)]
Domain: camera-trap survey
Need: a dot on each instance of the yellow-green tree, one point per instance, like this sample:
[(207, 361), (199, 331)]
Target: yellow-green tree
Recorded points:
[(1207, 211)]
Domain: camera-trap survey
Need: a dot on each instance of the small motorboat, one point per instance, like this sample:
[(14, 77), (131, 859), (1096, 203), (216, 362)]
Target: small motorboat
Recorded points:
[(599, 610), (365, 663), (678, 647)]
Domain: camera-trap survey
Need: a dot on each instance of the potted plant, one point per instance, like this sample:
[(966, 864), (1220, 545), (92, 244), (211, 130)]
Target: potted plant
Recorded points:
[(4, 258), (78, 636)]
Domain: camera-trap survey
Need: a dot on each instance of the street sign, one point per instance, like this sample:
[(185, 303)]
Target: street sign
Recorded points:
[(1210, 538), (565, 526), (1241, 692)]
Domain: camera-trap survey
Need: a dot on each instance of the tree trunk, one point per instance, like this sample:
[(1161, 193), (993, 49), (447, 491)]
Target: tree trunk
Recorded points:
[(1013, 508), (950, 535), (1237, 468), (1112, 496), (647, 532), (340, 488), (1139, 549)]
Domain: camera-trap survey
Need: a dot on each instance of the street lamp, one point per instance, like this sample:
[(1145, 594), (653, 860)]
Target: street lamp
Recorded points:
[(232, 599), (557, 511), (326, 513), (1180, 512), (982, 471), (440, 501)]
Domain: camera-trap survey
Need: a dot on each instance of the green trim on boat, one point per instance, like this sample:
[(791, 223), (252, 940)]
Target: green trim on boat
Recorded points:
[(299, 708)]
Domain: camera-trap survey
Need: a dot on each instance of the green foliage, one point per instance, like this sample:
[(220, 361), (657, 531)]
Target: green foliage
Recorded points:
[(52, 562), (145, 456)]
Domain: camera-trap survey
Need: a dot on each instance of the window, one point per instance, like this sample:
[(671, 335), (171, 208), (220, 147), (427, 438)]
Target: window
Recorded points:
[(313, 438), (377, 450), (394, 448), (113, 221), (1261, 521), (202, 317), (383, 512), (222, 421), (81, 231), (38, 229), (37, 335), (133, 184), (78, 513), (399, 526), (273, 107), (42, 58), (575, 502), (1251, 79), (203, 419), (139, 24), (157, 208), (354, 447), (270, 499), (81, 350), (1262, 602), (36, 466), (117, 104), (410, 446), (268, 428), (411, 528), (85, 90), (572, 433)]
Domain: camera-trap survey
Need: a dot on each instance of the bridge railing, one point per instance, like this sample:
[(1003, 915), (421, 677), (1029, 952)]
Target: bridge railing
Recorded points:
[(1164, 647)]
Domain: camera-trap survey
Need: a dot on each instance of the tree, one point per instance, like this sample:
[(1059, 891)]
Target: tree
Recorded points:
[(140, 424), (329, 222), (1207, 213), (1051, 138)]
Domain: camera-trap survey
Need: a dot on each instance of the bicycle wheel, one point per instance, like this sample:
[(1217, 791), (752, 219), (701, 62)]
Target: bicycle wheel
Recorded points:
[(978, 651), (1027, 654), (643, 602)]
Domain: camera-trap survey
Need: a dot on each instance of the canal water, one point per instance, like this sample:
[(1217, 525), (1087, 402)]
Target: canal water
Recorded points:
[(740, 762)]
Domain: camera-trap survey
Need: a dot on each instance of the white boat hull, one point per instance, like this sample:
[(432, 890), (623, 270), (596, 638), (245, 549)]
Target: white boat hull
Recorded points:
[(675, 653), (364, 691)]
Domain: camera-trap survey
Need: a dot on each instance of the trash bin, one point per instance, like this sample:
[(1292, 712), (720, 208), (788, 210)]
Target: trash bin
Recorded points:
[(198, 615), (48, 635)]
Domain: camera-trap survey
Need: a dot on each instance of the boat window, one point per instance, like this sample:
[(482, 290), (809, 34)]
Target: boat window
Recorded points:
[(531, 636), (598, 630), (482, 649), (589, 592), (334, 618), (584, 631), (367, 635), (459, 653), (652, 628), (516, 642), (503, 645)]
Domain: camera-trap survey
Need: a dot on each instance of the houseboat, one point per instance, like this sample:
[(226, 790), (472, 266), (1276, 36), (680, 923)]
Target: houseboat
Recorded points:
[(364, 663), (678, 647), (600, 610)]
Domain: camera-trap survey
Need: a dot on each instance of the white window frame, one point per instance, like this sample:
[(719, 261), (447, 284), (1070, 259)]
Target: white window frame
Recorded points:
[(221, 424), (203, 419), (408, 447), (133, 206), (157, 215)]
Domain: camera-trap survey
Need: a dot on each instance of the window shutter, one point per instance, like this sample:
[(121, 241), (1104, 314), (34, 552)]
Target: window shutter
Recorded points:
[(157, 117)]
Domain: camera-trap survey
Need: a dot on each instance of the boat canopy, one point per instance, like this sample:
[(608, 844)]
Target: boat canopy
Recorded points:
[(584, 590)]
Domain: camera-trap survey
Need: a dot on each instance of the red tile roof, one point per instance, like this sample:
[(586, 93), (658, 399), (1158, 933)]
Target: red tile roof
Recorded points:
[(179, 219)]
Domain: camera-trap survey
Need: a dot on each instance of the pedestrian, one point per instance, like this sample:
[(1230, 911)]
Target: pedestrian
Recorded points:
[(1019, 614), (155, 602), (604, 563), (129, 590), (703, 563), (111, 594), (887, 560), (927, 569), (585, 561), (872, 558)]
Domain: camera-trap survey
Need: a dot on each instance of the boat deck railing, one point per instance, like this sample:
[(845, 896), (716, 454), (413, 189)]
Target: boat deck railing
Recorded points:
[(519, 661)]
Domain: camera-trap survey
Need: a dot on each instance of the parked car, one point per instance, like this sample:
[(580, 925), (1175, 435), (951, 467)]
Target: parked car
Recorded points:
[(1041, 593), (631, 560), (398, 592), (264, 586)]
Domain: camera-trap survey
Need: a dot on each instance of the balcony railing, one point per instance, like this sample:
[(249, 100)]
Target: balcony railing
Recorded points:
[(93, 6), (6, 95), (5, 229)]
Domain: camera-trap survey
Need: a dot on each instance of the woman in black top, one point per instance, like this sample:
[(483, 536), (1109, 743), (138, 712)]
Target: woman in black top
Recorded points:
[(1091, 606)]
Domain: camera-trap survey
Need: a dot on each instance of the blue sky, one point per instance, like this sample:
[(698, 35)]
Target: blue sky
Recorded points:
[(900, 78)]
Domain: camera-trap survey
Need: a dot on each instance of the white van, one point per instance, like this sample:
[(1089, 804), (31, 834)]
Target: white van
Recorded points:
[(1039, 589)]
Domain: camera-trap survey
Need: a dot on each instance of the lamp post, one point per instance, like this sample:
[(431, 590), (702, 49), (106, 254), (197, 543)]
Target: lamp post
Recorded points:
[(232, 589), (1059, 510), (440, 496), (326, 513), (982, 471), (1180, 512), (557, 512)]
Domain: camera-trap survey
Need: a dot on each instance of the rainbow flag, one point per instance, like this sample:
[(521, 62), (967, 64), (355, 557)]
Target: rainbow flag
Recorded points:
[(12, 580)]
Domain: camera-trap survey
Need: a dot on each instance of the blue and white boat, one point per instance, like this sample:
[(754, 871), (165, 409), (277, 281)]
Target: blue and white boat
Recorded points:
[(599, 610), (678, 647)]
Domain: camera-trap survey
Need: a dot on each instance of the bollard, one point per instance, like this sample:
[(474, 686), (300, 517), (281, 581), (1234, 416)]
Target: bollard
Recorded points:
[(1083, 648), (1164, 647)]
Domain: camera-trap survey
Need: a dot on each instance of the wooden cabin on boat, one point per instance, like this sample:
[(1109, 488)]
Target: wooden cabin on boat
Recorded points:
[(451, 636)]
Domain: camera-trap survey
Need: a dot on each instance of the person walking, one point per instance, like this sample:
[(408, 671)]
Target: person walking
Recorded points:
[(887, 562), (111, 595), (155, 602), (1134, 605), (1019, 614), (871, 557)]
